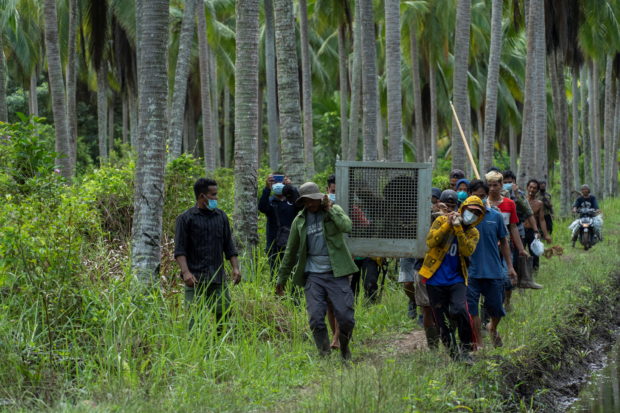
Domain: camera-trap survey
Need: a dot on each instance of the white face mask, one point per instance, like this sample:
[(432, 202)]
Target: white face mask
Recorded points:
[(469, 217)]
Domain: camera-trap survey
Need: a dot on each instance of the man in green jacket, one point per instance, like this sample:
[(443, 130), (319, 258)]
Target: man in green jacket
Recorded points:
[(318, 259)]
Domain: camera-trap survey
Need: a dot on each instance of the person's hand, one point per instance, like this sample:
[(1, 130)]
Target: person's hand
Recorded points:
[(236, 276), (279, 290), (270, 181), (455, 218), (326, 203), (287, 181), (189, 279), (513, 275), (523, 253), (548, 239)]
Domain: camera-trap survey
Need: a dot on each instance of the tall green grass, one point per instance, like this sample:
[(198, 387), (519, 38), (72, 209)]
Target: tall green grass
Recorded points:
[(77, 333)]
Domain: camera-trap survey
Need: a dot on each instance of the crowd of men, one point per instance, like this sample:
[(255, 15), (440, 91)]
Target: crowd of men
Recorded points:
[(477, 253)]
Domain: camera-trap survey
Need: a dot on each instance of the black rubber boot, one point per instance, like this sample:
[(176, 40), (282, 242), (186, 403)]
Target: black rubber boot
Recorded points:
[(432, 337), (321, 339), (345, 352)]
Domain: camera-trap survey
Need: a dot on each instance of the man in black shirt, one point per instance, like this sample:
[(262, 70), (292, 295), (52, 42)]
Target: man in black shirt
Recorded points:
[(277, 202), (202, 237)]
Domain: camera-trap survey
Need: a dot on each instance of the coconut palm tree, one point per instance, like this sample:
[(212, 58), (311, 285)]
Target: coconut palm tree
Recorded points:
[(3, 109), (71, 75), (369, 80), (459, 82), (208, 140), (57, 89), (527, 155), (306, 88), (177, 109), (246, 122), (152, 23), (288, 91), (490, 109), (394, 94), (356, 86), (270, 75)]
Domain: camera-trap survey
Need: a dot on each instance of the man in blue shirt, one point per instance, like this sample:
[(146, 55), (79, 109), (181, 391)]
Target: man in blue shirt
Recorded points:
[(486, 269)]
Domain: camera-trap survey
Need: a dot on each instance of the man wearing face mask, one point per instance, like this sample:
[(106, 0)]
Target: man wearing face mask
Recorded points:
[(319, 260), (462, 186), (202, 236), (486, 269), (451, 239), (277, 202)]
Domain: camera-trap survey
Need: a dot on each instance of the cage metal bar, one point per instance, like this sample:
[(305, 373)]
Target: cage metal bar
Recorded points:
[(389, 204)]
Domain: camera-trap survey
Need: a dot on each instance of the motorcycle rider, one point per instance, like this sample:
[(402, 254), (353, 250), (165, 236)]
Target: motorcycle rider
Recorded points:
[(588, 201)]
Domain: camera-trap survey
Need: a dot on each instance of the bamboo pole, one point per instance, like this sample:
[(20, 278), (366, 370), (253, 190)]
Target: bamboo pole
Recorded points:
[(467, 149)]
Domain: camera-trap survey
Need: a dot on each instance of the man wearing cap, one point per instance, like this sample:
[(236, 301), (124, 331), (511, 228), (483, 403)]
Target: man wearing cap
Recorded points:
[(280, 211), (452, 237), (587, 201), (455, 176), (317, 252)]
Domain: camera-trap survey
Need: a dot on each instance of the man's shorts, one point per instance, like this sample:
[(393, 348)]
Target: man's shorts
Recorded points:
[(407, 270), (493, 292), (409, 274)]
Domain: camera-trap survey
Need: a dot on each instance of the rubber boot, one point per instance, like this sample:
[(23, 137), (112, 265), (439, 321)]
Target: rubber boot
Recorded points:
[(345, 352), (432, 337), (527, 281), (321, 339)]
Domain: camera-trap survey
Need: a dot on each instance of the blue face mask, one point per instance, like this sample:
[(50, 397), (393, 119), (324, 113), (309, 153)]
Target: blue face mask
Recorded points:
[(212, 204), (277, 188), (508, 187), (332, 197), (462, 195)]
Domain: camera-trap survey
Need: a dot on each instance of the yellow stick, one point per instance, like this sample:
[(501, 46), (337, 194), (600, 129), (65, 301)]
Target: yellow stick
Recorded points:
[(469, 155)]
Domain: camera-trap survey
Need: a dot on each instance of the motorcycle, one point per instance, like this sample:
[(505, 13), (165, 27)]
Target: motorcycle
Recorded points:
[(585, 232)]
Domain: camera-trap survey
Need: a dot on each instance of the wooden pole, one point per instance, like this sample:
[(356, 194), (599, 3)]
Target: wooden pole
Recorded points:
[(467, 149)]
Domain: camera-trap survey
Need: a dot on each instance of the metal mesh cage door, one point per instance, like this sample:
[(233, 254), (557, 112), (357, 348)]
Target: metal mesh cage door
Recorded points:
[(389, 205)]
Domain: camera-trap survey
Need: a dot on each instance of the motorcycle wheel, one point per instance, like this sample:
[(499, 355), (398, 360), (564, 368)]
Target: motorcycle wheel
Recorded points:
[(585, 240)]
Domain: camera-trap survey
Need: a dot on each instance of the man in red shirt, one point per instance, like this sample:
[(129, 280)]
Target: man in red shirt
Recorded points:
[(508, 209)]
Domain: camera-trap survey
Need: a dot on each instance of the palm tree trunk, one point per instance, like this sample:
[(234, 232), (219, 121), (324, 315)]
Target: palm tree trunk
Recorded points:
[(306, 88), (288, 92), (246, 122), (575, 145), (344, 90), (609, 155), (153, 131), (261, 146), (191, 128), (4, 117), (514, 150), (177, 110), (380, 135), (72, 80), (434, 125), (369, 80), (394, 92), (102, 113), (205, 91), (540, 107), (560, 110), (57, 90), (616, 142), (459, 82), (111, 126), (527, 154), (586, 108), (270, 75), (418, 140), (215, 108), (228, 144), (125, 118), (33, 101), (133, 120), (490, 109), (356, 87), (595, 121)]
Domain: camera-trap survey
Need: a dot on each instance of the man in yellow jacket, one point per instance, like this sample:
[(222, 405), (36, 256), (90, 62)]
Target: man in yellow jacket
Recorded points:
[(451, 239)]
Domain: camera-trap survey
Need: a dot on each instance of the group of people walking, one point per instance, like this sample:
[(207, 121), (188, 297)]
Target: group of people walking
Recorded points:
[(476, 255)]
